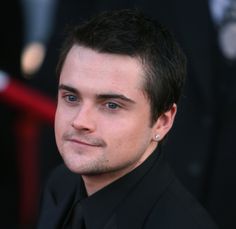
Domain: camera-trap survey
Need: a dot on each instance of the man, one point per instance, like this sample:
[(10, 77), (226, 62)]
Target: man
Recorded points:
[(120, 78)]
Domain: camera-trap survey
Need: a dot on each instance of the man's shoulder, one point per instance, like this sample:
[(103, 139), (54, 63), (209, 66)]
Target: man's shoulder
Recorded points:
[(178, 207)]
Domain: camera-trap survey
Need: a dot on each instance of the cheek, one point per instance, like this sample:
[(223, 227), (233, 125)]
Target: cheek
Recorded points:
[(128, 133), (59, 124), (62, 117), (57, 128)]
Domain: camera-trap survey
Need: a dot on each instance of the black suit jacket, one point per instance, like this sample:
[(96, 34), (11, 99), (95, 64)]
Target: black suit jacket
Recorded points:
[(158, 201)]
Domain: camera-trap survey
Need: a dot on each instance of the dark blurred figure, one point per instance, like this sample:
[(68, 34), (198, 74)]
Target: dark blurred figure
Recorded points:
[(38, 20)]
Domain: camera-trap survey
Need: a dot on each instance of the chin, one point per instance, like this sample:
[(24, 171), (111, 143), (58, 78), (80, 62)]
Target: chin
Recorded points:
[(72, 167)]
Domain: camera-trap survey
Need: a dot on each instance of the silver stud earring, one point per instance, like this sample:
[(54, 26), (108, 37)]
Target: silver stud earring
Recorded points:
[(157, 137)]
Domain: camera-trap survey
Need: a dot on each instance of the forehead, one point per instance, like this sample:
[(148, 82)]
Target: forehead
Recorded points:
[(84, 66)]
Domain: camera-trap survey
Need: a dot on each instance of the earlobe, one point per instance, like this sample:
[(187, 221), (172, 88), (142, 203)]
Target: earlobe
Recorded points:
[(164, 123)]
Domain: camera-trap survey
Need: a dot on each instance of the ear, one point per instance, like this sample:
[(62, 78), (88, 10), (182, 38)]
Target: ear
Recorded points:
[(164, 123)]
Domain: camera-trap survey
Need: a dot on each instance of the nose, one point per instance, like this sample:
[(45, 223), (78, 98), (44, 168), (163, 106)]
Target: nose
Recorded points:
[(84, 119)]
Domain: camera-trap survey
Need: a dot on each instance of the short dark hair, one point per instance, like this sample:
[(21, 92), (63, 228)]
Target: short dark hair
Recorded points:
[(129, 32)]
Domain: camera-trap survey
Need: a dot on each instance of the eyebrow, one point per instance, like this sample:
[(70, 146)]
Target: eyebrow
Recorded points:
[(99, 96), (68, 88), (115, 96)]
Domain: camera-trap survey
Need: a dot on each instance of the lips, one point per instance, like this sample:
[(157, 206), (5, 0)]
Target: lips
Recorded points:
[(83, 142)]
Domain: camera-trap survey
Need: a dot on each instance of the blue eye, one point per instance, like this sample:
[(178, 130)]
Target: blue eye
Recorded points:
[(71, 98), (112, 106)]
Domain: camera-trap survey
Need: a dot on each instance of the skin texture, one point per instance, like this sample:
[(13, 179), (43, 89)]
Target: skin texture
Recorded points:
[(102, 122)]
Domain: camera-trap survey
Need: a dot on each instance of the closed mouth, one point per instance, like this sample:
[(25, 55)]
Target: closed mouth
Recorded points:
[(83, 143)]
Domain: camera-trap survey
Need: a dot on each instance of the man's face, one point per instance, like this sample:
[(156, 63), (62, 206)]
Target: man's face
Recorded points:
[(102, 122)]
